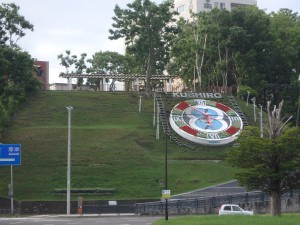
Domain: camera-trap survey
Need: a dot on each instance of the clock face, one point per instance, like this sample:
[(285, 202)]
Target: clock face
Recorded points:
[(206, 122)]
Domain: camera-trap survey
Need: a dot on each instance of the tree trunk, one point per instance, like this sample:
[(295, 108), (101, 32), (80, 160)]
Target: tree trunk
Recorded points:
[(148, 80), (199, 65), (275, 204)]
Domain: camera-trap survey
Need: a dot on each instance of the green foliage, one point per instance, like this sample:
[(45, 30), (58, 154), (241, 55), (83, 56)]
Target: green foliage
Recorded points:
[(243, 93), (12, 24), (147, 29), (67, 60), (16, 66), (245, 47), (16, 74), (267, 162), (3, 117), (106, 63)]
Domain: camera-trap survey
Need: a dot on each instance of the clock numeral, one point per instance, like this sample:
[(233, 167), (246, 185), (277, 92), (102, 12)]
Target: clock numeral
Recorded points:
[(177, 118), (235, 118), (213, 136), (201, 102)]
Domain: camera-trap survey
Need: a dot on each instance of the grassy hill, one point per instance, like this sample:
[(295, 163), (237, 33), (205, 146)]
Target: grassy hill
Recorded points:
[(113, 147)]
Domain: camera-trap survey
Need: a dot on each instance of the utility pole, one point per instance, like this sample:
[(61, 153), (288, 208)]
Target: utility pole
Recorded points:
[(69, 108), (254, 112)]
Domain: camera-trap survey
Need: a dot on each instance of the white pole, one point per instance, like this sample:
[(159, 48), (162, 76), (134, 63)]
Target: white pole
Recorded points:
[(247, 98), (154, 106), (194, 79), (11, 191), (170, 85), (157, 124), (140, 104), (254, 112), (69, 108), (261, 123), (297, 119)]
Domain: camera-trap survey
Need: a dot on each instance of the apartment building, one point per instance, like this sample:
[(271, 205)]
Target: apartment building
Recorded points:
[(183, 7)]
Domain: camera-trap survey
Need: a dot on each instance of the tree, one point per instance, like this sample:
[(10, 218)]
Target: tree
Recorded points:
[(16, 76), (12, 24), (107, 63), (283, 77), (67, 60), (272, 164), (17, 82), (80, 67), (147, 29)]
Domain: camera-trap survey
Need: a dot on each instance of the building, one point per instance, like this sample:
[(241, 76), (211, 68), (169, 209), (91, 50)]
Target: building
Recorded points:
[(41, 72), (183, 7)]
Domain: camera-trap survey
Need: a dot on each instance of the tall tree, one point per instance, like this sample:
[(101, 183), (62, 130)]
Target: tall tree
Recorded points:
[(285, 57), (80, 67), (107, 63), (147, 29), (272, 164), (12, 24), (67, 60)]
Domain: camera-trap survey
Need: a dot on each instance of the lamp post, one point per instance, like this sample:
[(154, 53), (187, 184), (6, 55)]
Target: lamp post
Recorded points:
[(261, 122), (248, 98), (69, 108), (166, 174), (254, 112), (297, 119)]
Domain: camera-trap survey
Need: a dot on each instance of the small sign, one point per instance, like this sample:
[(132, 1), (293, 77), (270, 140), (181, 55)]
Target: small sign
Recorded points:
[(166, 194), (10, 154), (112, 203)]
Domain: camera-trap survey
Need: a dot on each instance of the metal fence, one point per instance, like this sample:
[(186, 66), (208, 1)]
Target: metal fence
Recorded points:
[(204, 205)]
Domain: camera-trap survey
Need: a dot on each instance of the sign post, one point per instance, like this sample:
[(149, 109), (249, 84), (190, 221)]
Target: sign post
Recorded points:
[(10, 155)]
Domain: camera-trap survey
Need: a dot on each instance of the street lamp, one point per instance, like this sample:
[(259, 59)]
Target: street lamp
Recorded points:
[(166, 174), (297, 119), (248, 98), (69, 108), (254, 113)]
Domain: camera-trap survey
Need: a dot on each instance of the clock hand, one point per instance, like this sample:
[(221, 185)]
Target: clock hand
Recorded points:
[(207, 116), (209, 120)]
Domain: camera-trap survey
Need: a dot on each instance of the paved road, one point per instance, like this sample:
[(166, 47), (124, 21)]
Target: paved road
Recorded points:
[(54, 220)]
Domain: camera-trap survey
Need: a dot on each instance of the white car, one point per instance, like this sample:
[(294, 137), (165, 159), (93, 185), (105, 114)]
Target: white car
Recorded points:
[(230, 209)]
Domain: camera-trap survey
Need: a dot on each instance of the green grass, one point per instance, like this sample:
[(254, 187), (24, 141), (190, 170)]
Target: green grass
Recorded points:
[(286, 219), (113, 147)]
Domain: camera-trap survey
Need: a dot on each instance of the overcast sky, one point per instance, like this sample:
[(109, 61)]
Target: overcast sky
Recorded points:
[(82, 27)]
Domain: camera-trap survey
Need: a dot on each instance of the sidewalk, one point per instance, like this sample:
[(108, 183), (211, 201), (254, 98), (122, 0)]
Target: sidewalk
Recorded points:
[(84, 215)]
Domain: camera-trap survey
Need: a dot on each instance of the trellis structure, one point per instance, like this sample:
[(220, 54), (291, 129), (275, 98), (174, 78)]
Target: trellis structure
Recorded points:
[(121, 77)]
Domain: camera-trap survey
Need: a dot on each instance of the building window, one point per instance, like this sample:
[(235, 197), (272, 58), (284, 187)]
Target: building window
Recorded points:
[(216, 4), (180, 9), (234, 5), (207, 6), (222, 6)]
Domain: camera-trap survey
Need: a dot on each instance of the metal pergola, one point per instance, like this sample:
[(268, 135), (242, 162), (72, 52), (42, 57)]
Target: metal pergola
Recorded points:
[(118, 77)]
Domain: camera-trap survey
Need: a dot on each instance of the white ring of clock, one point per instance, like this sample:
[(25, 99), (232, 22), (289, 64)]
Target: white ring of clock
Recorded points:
[(206, 122)]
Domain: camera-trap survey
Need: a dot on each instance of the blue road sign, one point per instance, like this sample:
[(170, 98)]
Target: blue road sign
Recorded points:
[(10, 154)]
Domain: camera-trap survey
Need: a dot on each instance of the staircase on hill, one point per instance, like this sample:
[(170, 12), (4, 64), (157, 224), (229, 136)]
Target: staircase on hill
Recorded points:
[(163, 114), (238, 110), (166, 125)]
